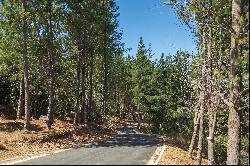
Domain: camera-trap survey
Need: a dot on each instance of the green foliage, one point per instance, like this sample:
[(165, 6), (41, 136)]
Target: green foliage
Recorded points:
[(5, 90), (73, 23), (245, 143), (161, 90), (165, 91), (221, 149)]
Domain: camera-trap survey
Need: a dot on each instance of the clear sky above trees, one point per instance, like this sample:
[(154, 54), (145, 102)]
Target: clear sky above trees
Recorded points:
[(157, 24)]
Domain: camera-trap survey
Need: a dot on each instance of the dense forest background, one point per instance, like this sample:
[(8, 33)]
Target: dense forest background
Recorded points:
[(65, 59)]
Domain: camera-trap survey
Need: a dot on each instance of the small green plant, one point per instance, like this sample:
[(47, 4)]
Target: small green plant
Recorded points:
[(245, 143)]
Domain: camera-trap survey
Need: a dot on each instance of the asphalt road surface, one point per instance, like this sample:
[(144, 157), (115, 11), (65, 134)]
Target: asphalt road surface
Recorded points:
[(128, 148)]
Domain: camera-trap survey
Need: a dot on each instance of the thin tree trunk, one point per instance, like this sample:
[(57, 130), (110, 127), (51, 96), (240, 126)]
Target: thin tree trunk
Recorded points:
[(196, 127), (241, 89), (118, 101), (26, 69), (78, 80), (105, 63), (211, 111), (20, 108), (201, 135), (91, 74), (138, 116), (233, 148), (84, 104), (212, 122), (122, 108), (51, 109), (87, 84), (35, 110), (105, 83), (203, 102)]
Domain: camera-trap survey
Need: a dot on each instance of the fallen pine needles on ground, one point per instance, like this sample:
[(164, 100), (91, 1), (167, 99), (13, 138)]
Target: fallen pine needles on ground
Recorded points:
[(176, 153), (14, 142)]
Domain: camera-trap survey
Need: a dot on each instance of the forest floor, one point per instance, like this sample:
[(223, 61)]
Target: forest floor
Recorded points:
[(176, 153), (15, 142)]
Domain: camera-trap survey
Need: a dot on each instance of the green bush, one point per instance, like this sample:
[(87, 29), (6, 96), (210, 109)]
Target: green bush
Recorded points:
[(221, 149)]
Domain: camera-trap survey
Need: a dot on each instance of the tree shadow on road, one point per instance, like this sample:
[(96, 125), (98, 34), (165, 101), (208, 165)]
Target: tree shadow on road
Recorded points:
[(128, 137)]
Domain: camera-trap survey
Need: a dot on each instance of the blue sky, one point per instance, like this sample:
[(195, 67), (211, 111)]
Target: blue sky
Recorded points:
[(157, 25)]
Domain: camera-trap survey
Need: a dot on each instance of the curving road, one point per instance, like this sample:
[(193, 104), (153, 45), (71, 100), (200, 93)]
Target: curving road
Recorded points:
[(128, 148)]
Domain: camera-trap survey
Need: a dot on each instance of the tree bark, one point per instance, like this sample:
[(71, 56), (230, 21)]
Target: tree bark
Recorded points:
[(84, 68), (78, 82), (51, 108), (138, 116), (91, 74), (26, 69), (201, 135), (105, 82), (196, 127), (20, 108), (122, 108), (212, 122), (241, 103), (211, 111), (203, 101), (233, 148), (105, 62)]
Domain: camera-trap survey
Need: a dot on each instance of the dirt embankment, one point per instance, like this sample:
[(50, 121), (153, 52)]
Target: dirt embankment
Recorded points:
[(15, 142), (176, 153)]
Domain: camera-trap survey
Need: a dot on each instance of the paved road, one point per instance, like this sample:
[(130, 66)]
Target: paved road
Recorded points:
[(128, 148)]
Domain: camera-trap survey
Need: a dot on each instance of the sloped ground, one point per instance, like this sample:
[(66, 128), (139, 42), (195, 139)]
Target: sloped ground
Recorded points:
[(177, 156), (14, 142), (176, 153)]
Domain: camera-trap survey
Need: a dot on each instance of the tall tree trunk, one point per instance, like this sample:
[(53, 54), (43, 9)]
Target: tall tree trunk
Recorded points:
[(88, 89), (138, 116), (201, 135), (84, 68), (203, 101), (105, 82), (91, 74), (26, 69), (87, 94), (122, 107), (212, 122), (78, 82), (35, 110), (105, 61), (211, 111), (51, 109), (118, 101), (233, 148), (241, 89), (197, 116), (196, 127), (20, 108)]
